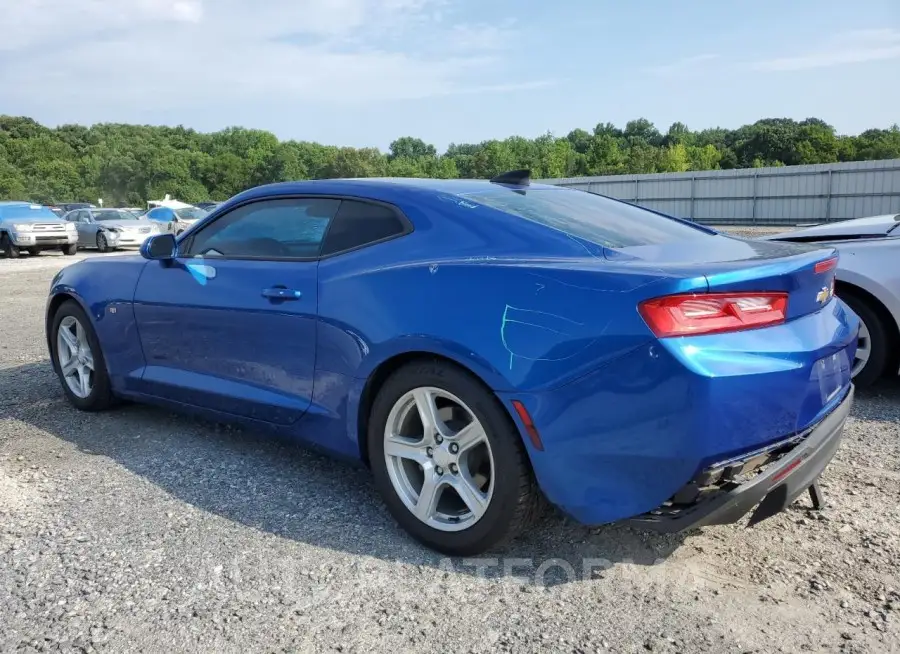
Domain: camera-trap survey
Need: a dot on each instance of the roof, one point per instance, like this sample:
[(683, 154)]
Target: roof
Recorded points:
[(389, 184)]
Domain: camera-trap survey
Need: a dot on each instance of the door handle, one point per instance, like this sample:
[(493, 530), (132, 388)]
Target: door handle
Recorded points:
[(281, 293)]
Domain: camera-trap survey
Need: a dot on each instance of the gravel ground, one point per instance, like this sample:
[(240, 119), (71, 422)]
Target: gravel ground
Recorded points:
[(141, 531)]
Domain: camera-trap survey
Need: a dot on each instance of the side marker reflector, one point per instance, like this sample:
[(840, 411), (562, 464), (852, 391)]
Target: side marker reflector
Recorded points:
[(530, 429)]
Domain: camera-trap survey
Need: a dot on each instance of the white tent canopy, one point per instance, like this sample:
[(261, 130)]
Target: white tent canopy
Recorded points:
[(168, 202)]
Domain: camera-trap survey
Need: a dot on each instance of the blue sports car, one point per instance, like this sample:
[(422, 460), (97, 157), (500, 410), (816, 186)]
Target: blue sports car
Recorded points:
[(481, 345)]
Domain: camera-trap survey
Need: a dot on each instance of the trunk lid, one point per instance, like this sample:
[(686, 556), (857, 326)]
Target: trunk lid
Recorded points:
[(730, 265)]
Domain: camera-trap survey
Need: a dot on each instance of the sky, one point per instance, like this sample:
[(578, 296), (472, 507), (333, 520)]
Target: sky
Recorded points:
[(364, 72)]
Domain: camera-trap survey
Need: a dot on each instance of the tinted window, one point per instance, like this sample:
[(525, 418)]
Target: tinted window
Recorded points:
[(588, 216), (359, 223), (270, 229)]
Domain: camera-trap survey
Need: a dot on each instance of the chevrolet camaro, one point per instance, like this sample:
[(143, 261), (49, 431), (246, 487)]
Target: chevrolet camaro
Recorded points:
[(482, 346)]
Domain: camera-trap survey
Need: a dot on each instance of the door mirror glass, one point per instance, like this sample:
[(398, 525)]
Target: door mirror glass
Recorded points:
[(159, 248)]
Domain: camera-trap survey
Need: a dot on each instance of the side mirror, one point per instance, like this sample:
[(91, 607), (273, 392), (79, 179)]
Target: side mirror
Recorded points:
[(159, 248)]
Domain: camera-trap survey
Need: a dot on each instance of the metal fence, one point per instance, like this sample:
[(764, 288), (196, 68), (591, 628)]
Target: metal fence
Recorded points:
[(789, 195)]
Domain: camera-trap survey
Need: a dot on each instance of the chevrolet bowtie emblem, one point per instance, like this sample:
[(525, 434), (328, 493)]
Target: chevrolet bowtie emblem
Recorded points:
[(824, 295)]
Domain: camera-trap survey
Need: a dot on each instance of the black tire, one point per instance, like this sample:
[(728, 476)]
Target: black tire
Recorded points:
[(34, 251), (878, 337), (69, 250), (101, 396), (102, 243), (10, 250), (516, 499)]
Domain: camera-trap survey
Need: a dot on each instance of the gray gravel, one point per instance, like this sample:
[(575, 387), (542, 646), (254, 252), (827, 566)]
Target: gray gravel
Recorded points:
[(141, 531)]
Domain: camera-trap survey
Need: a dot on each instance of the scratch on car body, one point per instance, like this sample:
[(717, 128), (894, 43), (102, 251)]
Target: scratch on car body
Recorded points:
[(532, 318)]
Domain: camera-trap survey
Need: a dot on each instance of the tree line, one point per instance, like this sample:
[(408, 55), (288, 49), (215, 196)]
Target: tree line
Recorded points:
[(127, 165)]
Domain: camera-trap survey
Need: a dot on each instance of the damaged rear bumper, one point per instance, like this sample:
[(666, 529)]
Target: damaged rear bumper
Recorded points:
[(769, 480)]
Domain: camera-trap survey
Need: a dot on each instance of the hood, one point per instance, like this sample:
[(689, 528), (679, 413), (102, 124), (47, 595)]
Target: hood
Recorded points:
[(125, 224), (870, 227)]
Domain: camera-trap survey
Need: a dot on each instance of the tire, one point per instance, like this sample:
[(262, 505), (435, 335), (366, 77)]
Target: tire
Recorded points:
[(34, 251), (874, 331), (69, 250), (10, 250), (508, 502), (102, 243), (100, 395)]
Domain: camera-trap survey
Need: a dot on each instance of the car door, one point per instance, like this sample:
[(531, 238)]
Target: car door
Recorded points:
[(230, 324), (85, 228)]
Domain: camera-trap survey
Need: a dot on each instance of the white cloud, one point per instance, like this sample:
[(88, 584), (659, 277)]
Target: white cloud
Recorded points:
[(855, 47), (266, 51)]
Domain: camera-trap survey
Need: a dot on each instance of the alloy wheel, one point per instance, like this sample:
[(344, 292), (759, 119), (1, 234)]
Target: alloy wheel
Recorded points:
[(75, 358), (439, 459), (863, 349)]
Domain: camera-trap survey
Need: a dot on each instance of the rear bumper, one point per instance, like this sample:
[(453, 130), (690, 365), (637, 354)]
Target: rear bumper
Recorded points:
[(772, 489)]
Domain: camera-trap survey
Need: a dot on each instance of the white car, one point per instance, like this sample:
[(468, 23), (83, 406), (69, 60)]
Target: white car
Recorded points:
[(868, 281)]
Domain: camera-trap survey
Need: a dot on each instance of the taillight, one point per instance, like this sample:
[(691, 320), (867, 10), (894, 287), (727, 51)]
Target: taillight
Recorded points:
[(826, 265), (712, 313)]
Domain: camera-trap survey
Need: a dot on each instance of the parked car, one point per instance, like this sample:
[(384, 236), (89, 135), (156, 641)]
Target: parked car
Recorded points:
[(480, 343), (868, 280), (33, 228), (176, 220), (108, 229)]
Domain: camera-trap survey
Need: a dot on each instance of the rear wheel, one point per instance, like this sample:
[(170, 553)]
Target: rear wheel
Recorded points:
[(872, 346), (10, 250), (448, 460)]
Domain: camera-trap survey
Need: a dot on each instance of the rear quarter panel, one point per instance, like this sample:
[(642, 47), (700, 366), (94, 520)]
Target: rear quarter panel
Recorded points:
[(105, 290), (874, 266), (520, 323)]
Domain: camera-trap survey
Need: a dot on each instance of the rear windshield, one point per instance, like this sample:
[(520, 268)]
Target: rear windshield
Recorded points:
[(27, 212), (590, 217)]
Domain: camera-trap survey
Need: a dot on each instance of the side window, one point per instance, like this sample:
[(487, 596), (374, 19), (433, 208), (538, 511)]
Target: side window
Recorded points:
[(160, 214), (360, 223), (269, 229)]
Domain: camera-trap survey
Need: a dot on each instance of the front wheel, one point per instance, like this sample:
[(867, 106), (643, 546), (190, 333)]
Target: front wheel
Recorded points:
[(69, 250), (102, 243), (34, 251), (6, 244), (78, 359), (448, 460), (872, 344)]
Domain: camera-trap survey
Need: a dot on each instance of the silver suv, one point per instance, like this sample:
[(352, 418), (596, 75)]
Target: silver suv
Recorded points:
[(34, 228)]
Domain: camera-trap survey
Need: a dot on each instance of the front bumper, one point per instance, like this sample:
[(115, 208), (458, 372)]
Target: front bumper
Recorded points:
[(130, 239), (32, 240), (775, 485)]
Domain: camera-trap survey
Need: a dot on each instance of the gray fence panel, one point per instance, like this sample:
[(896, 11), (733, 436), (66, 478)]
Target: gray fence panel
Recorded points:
[(764, 196)]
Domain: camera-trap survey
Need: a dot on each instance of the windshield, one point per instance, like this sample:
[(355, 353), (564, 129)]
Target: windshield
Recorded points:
[(190, 213), (112, 214), (588, 216), (26, 212)]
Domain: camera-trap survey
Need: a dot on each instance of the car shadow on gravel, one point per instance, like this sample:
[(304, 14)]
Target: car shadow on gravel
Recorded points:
[(283, 489)]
